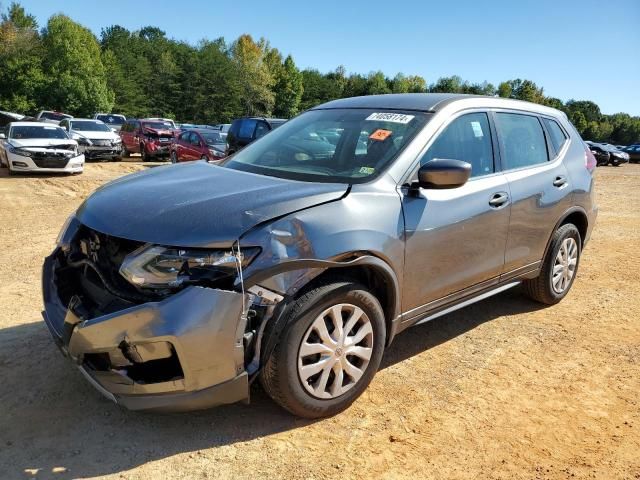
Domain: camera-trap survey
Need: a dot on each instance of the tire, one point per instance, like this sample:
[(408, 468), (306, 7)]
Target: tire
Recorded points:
[(616, 163), (174, 157), (203, 157), (542, 287), (282, 377), (143, 153), (125, 151)]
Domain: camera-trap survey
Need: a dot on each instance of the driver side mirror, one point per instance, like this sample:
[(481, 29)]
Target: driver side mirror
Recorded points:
[(442, 173)]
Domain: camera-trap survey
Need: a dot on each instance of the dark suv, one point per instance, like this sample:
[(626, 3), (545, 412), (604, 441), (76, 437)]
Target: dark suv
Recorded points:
[(300, 258), (243, 131)]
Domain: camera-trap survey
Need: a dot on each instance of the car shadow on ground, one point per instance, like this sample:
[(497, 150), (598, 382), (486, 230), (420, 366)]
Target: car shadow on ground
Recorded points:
[(52, 419)]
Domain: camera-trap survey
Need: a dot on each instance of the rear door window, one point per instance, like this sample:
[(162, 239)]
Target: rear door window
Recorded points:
[(522, 140), (467, 138)]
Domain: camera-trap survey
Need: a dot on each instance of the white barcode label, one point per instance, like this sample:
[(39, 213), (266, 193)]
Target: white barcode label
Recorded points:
[(391, 117)]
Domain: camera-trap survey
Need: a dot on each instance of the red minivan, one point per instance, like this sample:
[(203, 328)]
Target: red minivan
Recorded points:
[(198, 144)]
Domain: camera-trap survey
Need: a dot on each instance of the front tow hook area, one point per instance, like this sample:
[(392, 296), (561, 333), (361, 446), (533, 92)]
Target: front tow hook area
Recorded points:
[(183, 353)]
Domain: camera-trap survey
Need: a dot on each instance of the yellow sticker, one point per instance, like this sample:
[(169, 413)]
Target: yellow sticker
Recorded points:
[(380, 135), (367, 170)]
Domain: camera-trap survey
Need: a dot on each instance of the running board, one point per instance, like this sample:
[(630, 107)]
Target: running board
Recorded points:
[(466, 303)]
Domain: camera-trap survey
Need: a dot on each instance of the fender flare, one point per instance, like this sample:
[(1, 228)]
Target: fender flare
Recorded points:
[(565, 215), (278, 319)]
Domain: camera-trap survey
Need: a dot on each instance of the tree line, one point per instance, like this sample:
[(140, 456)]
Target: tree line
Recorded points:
[(63, 66)]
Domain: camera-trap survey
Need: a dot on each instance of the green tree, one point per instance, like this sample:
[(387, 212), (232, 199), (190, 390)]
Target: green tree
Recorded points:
[(22, 81), (288, 89), (400, 84), (73, 66), (447, 85), (505, 90), (255, 79), (17, 15), (217, 96), (554, 103), (590, 110), (377, 84)]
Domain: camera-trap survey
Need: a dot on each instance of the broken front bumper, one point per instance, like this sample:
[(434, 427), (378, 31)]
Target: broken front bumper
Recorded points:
[(182, 353)]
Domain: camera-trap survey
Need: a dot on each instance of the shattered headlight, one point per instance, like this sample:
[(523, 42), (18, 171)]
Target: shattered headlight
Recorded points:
[(153, 266), (19, 151)]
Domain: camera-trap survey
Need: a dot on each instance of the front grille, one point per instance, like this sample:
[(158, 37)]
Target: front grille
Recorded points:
[(101, 143), (50, 159)]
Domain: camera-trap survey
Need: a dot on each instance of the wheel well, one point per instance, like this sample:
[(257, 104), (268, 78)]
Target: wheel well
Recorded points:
[(374, 279), (578, 219)]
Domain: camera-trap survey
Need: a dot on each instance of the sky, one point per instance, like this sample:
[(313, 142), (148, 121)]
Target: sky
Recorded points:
[(585, 50)]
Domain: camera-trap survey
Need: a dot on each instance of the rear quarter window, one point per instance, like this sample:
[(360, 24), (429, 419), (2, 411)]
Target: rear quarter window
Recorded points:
[(247, 127), (556, 134)]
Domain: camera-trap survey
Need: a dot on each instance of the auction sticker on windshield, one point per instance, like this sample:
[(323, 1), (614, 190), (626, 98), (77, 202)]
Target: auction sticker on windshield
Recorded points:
[(391, 117)]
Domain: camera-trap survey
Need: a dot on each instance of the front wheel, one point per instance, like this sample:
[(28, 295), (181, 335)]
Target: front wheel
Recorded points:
[(143, 153), (174, 157), (559, 268), (329, 351)]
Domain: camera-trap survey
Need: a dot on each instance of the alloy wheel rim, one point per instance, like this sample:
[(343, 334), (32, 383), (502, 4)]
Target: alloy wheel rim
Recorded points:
[(564, 267), (335, 351)]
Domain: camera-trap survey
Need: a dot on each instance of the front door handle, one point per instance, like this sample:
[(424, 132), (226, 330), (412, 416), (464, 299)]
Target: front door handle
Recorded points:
[(560, 181), (499, 199)]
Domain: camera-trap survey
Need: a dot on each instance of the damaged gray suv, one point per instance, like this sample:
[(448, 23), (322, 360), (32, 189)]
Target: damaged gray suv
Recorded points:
[(301, 257)]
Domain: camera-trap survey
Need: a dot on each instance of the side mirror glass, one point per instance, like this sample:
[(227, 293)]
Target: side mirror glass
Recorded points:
[(441, 173)]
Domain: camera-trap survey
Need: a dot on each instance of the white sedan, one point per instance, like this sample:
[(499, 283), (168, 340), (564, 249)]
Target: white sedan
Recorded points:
[(39, 147), (95, 139)]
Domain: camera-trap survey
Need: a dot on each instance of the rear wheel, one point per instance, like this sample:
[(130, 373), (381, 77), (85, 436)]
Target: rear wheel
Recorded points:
[(203, 157), (125, 151), (559, 268), (174, 157), (329, 351)]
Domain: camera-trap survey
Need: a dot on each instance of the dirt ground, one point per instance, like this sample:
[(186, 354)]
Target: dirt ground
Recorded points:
[(502, 389)]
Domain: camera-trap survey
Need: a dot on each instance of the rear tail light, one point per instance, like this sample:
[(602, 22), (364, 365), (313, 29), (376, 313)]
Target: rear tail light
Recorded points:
[(590, 161)]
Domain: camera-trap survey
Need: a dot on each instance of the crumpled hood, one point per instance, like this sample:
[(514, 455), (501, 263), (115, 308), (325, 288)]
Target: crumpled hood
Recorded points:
[(196, 204), (160, 131), (97, 135), (35, 143)]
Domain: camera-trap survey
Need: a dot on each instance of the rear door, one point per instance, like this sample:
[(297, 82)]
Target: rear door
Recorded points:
[(456, 238), (539, 185)]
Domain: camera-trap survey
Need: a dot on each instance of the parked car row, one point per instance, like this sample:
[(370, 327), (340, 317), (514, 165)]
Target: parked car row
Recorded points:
[(634, 152), (606, 154)]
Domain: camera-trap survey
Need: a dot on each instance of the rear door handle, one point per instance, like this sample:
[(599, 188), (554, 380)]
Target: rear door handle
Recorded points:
[(499, 199), (560, 181)]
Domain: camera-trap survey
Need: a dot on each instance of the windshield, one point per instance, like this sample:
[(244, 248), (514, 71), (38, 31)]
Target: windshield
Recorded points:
[(54, 116), (158, 125), (112, 119), (339, 145), (88, 126), (212, 138), (26, 132)]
